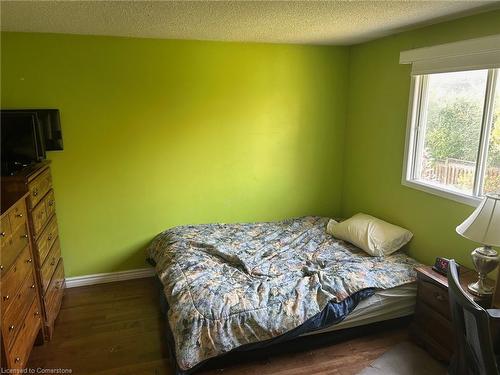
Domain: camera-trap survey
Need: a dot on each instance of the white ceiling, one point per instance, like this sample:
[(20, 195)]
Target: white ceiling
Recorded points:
[(303, 22)]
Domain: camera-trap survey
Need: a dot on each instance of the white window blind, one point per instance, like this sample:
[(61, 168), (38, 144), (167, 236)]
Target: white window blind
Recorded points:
[(472, 54)]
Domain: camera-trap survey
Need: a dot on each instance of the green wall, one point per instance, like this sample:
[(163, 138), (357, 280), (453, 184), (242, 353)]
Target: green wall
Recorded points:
[(159, 133), (375, 139)]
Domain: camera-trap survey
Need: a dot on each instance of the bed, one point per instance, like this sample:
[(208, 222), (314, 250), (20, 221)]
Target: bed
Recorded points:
[(230, 287)]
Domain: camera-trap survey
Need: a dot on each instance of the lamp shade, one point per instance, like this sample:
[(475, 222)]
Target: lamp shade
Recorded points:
[(483, 225)]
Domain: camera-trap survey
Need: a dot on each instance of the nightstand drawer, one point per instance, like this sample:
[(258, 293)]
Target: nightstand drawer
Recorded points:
[(437, 327), (433, 327), (435, 296)]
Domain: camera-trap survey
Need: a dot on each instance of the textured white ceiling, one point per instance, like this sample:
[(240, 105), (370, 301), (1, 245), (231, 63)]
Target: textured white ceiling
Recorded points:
[(304, 22)]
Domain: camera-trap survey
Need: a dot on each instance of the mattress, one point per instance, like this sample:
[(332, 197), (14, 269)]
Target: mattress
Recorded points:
[(383, 305)]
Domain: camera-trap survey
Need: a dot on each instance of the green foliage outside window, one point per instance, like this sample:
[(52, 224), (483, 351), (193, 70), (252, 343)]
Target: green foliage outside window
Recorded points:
[(453, 132)]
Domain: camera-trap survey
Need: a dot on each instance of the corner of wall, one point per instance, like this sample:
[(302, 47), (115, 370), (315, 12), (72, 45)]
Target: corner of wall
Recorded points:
[(347, 111)]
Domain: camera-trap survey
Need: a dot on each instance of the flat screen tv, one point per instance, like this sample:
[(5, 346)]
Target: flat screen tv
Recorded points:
[(22, 141), (49, 123)]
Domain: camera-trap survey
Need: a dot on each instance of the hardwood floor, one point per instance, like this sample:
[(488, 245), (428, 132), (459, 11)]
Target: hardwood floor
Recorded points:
[(117, 328)]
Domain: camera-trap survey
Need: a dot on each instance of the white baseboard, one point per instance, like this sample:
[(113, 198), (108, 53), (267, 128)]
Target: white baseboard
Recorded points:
[(101, 278)]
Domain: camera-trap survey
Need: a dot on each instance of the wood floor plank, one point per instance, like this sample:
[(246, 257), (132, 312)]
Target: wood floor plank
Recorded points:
[(117, 329)]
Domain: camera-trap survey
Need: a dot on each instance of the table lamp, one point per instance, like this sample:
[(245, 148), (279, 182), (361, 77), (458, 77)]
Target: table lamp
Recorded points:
[(483, 226)]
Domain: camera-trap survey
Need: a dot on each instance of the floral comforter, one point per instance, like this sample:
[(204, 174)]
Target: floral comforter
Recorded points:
[(229, 285)]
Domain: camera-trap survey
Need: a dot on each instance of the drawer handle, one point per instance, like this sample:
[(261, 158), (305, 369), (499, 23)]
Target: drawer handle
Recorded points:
[(11, 328), (6, 298), (51, 203), (2, 234), (37, 313), (29, 260), (49, 237), (35, 192), (53, 261), (19, 215), (439, 297), (32, 286), (17, 360), (1, 267), (24, 236)]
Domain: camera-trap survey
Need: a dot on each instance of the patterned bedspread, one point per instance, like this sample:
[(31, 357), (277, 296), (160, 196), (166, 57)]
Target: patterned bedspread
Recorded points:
[(229, 285)]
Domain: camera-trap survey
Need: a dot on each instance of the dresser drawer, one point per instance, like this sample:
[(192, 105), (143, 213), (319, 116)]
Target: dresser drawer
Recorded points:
[(17, 215), (39, 216), (54, 293), (20, 238), (13, 317), (4, 226), (11, 248), (50, 203), (14, 277), (46, 240), (50, 265), (39, 187), (5, 239), (435, 296), (19, 354)]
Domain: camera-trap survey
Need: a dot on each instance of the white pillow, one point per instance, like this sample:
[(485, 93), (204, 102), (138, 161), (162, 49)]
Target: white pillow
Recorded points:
[(375, 236)]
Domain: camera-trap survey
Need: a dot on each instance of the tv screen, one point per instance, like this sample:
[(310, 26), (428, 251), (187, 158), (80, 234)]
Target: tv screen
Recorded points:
[(49, 125), (21, 138)]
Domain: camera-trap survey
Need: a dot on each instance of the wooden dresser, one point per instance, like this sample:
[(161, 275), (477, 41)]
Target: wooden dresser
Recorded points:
[(432, 327), (37, 182), (21, 322)]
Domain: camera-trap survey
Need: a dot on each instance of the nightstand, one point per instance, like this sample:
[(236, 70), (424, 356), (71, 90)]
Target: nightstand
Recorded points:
[(432, 327)]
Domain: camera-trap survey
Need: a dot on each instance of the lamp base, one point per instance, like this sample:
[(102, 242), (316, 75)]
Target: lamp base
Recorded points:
[(479, 289), (485, 260)]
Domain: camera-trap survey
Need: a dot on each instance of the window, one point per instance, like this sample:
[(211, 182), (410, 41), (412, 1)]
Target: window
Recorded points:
[(453, 136)]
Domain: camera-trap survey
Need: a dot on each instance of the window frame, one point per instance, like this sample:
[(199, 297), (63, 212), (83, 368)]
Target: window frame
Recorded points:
[(414, 143)]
